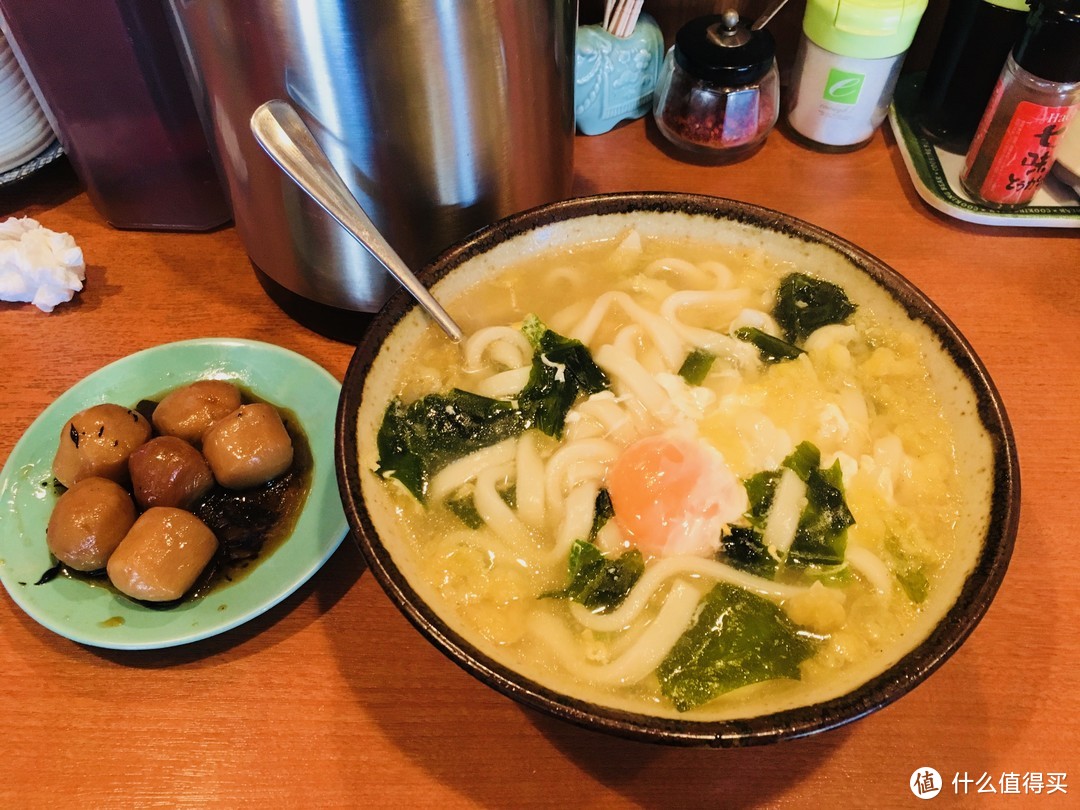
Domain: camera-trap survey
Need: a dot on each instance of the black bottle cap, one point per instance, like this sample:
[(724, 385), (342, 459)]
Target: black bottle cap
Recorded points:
[(720, 49), (1050, 46)]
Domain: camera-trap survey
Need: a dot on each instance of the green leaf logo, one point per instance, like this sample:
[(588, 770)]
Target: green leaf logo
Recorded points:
[(843, 87)]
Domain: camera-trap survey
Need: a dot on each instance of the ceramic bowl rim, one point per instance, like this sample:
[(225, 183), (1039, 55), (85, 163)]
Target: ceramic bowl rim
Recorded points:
[(979, 587)]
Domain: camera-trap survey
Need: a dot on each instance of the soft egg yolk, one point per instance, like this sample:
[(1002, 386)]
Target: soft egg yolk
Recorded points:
[(673, 495)]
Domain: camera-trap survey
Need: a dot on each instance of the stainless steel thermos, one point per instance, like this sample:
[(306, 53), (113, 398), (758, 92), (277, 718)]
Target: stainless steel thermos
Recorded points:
[(441, 117)]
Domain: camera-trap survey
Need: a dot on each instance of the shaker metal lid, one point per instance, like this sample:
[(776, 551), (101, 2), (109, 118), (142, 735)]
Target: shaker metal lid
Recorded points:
[(720, 49)]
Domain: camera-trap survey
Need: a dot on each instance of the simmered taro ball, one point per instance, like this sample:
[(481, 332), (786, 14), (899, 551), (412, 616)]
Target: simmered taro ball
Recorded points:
[(167, 471), (88, 523), (162, 555), (188, 412), (249, 447), (97, 442)]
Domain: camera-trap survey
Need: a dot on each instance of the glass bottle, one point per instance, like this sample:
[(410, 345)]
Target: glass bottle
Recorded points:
[(976, 38), (1037, 94), (718, 96)]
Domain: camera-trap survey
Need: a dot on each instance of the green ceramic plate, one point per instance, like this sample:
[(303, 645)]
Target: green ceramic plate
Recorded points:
[(94, 614)]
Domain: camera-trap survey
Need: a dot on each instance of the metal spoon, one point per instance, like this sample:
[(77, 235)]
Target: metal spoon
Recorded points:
[(766, 15), (280, 131)]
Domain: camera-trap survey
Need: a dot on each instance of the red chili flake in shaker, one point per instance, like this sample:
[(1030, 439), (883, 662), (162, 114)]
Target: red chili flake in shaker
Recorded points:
[(718, 94)]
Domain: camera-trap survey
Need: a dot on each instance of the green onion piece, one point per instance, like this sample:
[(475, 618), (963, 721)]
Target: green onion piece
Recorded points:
[(696, 366), (771, 349)]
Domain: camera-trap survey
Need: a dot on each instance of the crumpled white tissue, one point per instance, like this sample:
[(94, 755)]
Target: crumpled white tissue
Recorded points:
[(37, 265)]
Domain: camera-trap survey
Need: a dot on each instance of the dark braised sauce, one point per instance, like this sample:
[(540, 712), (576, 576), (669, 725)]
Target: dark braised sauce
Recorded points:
[(249, 524)]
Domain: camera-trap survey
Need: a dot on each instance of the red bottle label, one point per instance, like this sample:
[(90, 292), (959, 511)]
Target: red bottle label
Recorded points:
[(1025, 154)]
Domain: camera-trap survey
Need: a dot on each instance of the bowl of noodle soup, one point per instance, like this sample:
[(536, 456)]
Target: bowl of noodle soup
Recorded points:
[(700, 474)]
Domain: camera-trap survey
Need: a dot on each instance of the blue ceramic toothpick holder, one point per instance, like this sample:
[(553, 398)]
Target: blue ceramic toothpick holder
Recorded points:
[(614, 77)]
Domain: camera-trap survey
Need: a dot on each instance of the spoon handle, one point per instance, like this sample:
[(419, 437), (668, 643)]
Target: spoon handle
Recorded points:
[(281, 132), (769, 12)]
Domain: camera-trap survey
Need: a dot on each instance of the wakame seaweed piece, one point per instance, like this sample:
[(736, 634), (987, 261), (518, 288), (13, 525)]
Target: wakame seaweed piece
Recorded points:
[(821, 537), (396, 457), (562, 370), (145, 408), (743, 548), (803, 460), (770, 349), (696, 366), (760, 489), (463, 506), (805, 304), (51, 573), (737, 638), (418, 440), (244, 521), (603, 511), (598, 582)]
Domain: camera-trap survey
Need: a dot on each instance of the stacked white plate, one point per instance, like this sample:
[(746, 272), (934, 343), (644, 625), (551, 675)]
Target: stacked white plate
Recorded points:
[(24, 130)]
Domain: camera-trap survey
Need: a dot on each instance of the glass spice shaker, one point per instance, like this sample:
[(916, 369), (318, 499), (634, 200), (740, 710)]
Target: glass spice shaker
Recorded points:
[(1037, 95), (718, 95)]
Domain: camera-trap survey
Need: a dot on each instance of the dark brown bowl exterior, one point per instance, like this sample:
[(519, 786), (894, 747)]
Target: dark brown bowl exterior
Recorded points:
[(978, 590)]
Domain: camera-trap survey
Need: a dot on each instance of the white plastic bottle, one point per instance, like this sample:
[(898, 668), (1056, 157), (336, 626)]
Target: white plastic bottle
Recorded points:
[(846, 68)]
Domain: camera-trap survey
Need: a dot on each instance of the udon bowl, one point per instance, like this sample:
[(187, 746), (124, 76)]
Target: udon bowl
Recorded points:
[(984, 439)]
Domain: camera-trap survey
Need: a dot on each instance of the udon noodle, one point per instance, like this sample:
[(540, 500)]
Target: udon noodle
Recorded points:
[(707, 480)]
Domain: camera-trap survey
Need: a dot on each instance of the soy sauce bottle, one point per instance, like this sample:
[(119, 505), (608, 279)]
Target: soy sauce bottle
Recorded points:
[(1037, 95), (976, 38)]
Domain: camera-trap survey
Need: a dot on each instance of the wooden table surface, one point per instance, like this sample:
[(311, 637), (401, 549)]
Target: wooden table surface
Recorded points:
[(333, 699)]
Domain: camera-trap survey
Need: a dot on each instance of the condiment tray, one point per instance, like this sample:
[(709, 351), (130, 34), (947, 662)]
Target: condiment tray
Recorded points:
[(935, 174)]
